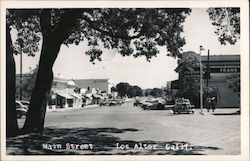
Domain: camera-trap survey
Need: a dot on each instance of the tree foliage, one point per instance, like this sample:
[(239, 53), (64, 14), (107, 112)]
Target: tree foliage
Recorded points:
[(227, 22), (138, 91), (156, 92), (27, 83), (125, 89), (234, 83), (189, 86), (28, 31), (113, 89), (132, 31)]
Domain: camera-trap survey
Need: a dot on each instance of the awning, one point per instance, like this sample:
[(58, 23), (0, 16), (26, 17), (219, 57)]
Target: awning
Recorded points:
[(97, 96), (76, 95), (71, 83), (87, 96), (65, 95)]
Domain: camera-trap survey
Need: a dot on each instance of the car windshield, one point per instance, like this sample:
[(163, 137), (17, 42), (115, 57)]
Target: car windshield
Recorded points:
[(182, 101)]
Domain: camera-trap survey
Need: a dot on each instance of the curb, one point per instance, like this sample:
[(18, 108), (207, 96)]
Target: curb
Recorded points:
[(72, 108)]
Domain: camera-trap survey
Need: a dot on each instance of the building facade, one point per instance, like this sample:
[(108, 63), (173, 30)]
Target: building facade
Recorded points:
[(217, 70), (94, 85), (63, 94), (69, 93)]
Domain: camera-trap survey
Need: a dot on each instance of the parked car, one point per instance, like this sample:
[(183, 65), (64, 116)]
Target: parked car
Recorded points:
[(104, 102), (153, 104), (119, 101), (138, 102), (161, 105), (111, 102), (183, 105), (21, 109), (147, 105)]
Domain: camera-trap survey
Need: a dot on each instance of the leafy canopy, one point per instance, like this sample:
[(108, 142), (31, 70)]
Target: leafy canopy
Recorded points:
[(132, 31), (124, 89), (26, 22), (227, 22)]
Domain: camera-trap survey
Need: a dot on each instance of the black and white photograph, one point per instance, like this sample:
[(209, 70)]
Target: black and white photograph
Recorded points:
[(125, 79)]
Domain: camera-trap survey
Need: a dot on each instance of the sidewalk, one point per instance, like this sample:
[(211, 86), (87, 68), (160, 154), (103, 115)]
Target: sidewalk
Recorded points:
[(72, 108), (219, 111)]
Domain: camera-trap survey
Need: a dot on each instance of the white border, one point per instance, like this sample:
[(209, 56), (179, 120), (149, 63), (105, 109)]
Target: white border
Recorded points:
[(243, 4)]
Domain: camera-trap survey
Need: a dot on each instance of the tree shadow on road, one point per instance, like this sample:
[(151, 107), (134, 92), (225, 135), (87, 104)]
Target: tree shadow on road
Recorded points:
[(103, 139), (234, 113)]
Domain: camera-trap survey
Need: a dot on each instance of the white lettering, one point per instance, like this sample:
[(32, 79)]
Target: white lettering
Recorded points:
[(122, 146), (79, 146), (51, 146), (178, 146)]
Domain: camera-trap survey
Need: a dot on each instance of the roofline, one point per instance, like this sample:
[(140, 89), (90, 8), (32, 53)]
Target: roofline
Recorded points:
[(91, 79)]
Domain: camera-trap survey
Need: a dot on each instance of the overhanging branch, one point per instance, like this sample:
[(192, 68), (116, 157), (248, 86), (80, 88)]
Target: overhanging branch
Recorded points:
[(94, 25)]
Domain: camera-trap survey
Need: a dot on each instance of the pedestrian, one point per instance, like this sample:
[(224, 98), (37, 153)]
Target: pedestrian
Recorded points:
[(213, 103), (209, 103)]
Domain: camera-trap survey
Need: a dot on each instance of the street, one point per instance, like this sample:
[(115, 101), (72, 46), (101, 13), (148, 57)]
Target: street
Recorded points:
[(131, 130)]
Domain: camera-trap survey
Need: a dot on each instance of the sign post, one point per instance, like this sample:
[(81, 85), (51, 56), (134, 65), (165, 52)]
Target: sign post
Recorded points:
[(201, 86)]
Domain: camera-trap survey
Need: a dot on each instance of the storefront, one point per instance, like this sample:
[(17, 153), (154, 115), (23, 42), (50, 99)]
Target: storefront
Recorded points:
[(217, 70)]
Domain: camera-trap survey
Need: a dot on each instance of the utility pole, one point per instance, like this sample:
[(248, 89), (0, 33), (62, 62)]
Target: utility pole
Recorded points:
[(208, 67), (21, 74), (201, 85)]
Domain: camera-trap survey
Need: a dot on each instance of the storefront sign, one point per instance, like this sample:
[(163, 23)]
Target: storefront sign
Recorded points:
[(214, 70), (229, 70), (101, 81), (225, 70), (192, 72)]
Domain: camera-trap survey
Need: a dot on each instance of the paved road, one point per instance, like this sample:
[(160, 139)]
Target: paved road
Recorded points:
[(131, 130)]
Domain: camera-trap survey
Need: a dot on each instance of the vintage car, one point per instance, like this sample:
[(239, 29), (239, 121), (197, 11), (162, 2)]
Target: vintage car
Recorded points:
[(161, 105), (104, 103), (153, 104), (111, 102), (119, 101), (147, 105), (137, 103), (21, 109), (183, 106)]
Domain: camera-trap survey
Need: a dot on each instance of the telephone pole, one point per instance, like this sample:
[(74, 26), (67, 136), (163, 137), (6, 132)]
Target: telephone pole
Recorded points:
[(21, 74), (208, 67), (201, 85)]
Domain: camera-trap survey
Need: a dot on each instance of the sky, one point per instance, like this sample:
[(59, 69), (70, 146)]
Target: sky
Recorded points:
[(72, 63)]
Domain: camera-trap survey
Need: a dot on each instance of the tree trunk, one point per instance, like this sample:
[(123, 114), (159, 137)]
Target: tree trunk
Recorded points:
[(36, 114), (52, 40), (11, 114)]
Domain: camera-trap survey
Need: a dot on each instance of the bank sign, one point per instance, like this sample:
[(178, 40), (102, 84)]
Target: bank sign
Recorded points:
[(225, 70), (214, 70)]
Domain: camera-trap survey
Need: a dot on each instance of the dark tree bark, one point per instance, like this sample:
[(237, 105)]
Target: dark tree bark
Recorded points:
[(36, 113), (52, 40), (11, 115)]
